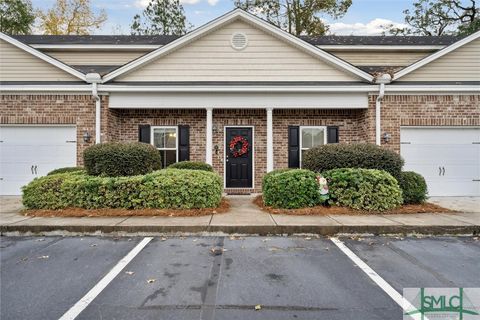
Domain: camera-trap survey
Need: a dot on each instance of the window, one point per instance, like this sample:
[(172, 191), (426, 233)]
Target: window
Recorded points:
[(311, 137), (165, 140)]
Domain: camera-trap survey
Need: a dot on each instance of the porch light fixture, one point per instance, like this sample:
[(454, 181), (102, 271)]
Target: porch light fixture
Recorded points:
[(386, 137), (214, 129), (86, 137)]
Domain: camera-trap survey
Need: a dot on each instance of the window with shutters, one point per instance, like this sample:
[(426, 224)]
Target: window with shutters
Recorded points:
[(165, 139), (311, 137)]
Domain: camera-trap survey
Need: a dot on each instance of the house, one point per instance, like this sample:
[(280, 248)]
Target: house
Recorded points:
[(240, 80)]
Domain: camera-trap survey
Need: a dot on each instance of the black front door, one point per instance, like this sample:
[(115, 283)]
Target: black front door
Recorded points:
[(238, 157)]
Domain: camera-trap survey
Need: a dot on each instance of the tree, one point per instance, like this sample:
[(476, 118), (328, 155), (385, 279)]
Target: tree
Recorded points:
[(161, 17), (71, 17), (16, 16), (437, 17), (298, 17)]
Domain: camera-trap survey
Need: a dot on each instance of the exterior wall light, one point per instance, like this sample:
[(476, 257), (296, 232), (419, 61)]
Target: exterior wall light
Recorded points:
[(86, 137), (386, 137)]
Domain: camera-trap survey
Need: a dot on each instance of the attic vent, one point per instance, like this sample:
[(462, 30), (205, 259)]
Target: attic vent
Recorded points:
[(239, 41)]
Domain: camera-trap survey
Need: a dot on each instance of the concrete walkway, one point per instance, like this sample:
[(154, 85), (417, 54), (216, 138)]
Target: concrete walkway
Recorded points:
[(244, 217)]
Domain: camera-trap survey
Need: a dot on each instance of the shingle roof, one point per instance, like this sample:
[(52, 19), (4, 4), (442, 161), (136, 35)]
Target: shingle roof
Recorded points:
[(382, 40), (95, 39), (164, 39)]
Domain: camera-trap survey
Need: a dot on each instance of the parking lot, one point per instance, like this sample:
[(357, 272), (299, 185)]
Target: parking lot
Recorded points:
[(301, 277)]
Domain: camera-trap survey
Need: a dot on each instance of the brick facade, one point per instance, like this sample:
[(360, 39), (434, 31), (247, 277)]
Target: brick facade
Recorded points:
[(422, 110), (354, 125), (42, 109)]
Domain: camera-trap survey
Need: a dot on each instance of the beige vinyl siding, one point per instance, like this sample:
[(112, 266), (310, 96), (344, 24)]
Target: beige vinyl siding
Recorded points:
[(372, 58), (211, 58), (105, 58), (462, 64), (19, 65)]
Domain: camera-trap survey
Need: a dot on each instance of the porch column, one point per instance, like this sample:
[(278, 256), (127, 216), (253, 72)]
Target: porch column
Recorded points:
[(269, 139), (209, 142)]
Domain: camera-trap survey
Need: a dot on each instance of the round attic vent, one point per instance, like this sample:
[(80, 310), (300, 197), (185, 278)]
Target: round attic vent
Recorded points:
[(239, 41)]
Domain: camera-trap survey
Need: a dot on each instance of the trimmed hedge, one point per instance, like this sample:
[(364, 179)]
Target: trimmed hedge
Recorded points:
[(359, 155), (414, 187), (363, 189), (290, 189), (191, 165), (65, 169), (115, 159), (164, 189)]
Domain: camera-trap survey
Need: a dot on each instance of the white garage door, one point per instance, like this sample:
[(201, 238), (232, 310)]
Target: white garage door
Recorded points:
[(27, 152), (448, 158)]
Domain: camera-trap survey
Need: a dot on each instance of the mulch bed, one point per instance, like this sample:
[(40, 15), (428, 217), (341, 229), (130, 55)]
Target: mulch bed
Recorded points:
[(323, 210), (79, 212)]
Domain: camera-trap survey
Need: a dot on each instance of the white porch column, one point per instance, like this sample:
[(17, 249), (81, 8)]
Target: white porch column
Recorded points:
[(209, 142), (269, 139)]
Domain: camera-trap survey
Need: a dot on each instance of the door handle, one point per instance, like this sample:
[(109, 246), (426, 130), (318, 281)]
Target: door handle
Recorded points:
[(443, 173), (35, 169), (439, 171), (31, 168)]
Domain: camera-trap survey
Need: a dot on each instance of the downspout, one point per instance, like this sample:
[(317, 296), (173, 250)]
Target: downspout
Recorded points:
[(94, 79), (382, 80)]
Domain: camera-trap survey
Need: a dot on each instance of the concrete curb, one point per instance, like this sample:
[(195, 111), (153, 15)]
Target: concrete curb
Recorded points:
[(325, 230)]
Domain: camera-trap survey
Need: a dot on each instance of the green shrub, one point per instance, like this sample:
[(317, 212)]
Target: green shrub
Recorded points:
[(191, 165), (116, 159), (414, 187), (290, 189), (64, 170), (164, 189), (363, 189), (360, 155)]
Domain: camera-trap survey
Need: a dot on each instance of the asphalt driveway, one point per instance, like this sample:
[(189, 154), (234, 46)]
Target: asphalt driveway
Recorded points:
[(183, 278)]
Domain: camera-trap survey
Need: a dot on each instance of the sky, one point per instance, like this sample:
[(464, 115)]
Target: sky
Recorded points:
[(365, 17)]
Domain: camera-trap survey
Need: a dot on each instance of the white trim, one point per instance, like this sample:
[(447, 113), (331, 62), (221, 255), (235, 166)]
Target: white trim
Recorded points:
[(436, 55), (152, 128), (42, 56), (120, 47), (238, 88), (46, 88), (225, 100), (238, 13), (225, 156), (209, 137), (335, 47), (83, 303), (270, 155), (431, 89), (325, 139)]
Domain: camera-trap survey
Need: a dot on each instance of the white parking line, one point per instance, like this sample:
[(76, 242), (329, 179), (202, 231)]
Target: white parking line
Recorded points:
[(384, 285), (74, 311)]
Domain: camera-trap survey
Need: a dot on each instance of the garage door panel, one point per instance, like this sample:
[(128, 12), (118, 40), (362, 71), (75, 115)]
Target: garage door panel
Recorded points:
[(429, 151), (442, 154), (445, 136), (43, 147)]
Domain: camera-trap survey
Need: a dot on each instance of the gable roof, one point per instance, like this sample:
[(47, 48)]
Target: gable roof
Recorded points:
[(42, 56), (257, 22), (436, 55)]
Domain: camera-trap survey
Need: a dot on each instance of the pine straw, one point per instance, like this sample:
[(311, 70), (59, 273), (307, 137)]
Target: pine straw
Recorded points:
[(334, 210), (79, 212)]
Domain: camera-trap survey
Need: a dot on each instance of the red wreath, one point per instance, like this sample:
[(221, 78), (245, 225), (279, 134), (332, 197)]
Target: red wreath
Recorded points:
[(233, 146)]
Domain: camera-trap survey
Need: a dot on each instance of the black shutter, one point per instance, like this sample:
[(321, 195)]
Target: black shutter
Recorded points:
[(332, 134), (144, 133), (293, 146), (183, 143)]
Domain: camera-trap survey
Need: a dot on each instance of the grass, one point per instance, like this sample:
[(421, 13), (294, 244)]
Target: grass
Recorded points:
[(334, 210), (79, 212)]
